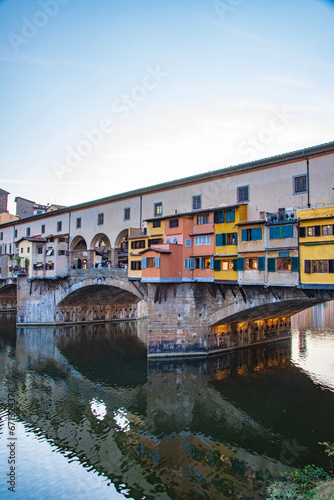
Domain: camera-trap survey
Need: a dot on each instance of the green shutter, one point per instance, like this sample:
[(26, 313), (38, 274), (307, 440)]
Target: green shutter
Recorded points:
[(217, 265), (240, 264), (235, 238), (235, 264), (272, 233), (244, 234), (230, 216), (260, 263), (307, 266), (256, 233), (294, 264), (271, 264), (219, 240)]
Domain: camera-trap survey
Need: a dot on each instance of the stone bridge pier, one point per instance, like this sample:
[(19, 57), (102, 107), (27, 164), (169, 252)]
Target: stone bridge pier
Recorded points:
[(203, 318)]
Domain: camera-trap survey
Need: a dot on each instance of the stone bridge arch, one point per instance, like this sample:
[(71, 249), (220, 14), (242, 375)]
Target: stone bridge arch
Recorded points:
[(261, 303), (8, 297), (101, 299)]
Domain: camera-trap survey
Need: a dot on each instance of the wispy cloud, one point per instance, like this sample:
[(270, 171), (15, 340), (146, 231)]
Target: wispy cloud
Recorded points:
[(49, 183), (18, 58), (316, 40)]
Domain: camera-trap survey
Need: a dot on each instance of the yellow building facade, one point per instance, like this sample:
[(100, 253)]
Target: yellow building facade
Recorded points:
[(226, 241), (316, 246)]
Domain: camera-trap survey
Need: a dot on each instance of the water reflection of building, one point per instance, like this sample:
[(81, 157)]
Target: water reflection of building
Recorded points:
[(320, 318), (166, 428)]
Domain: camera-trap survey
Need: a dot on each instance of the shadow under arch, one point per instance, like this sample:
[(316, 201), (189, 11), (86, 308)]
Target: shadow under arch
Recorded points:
[(8, 297), (89, 302)]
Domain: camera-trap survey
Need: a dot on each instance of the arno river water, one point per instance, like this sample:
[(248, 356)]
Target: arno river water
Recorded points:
[(85, 415)]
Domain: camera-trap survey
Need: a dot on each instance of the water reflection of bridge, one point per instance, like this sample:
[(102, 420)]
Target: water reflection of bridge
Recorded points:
[(142, 424)]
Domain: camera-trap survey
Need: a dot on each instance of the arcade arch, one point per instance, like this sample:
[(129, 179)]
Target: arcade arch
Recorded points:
[(78, 253)]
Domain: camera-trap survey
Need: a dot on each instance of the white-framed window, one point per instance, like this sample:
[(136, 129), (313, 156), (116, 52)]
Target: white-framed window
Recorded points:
[(204, 239)]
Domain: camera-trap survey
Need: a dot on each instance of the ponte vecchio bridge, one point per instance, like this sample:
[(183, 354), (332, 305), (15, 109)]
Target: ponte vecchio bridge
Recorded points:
[(183, 318)]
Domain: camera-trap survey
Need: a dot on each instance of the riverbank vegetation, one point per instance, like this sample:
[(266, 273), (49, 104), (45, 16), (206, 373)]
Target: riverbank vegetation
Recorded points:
[(311, 482)]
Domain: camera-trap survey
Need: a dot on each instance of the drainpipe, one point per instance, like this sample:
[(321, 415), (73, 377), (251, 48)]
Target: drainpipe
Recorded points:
[(140, 210), (68, 244), (307, 180)]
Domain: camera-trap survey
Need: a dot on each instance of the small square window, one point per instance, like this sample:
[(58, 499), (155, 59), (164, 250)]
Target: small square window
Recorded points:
[(156, 223), (300, 184), (174, 223), (100, 219), (197, 202), (242, 194), (127, 213)]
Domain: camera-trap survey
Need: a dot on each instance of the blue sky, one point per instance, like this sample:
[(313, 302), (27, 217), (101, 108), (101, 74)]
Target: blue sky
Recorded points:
[(100, 97)]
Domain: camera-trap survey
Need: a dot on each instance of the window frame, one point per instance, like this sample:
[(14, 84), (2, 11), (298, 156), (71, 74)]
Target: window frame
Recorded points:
[(196, 200), (100, 218), (156, 211), (127, 213), (295, 179), (241, 189)]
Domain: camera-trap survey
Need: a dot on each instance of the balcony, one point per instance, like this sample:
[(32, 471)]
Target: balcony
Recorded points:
[(281, 217)]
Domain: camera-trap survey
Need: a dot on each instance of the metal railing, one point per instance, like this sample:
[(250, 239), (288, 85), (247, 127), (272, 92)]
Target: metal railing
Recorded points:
[(283, 216)]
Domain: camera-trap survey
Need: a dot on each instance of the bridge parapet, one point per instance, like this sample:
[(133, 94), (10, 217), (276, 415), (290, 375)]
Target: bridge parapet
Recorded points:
[(113, 272)]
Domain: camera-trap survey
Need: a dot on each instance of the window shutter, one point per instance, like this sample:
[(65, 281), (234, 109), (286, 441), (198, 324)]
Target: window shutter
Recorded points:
[(317, 231), (307, 266), (212, 262), (261, 263), (201, 263), (192, 263), (175, 240), (271, 264), (167, 240), (235, 238), (219, 240), (217, 265), (331, 266), (272, 233), (302, 232), (157, 262), (219, 217), (244, 234), (224, 239), (188, 243), (289, 231), (235, 264), (294, 264), (186, 263), (256, 233), (240, 264), (230, 216), (144, 263)]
